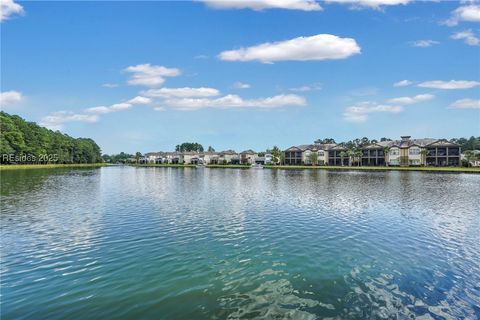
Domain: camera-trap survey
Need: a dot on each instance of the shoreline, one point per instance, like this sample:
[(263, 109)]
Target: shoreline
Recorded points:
[(4, 167), (347, 168), (333, 168), (245, 167)]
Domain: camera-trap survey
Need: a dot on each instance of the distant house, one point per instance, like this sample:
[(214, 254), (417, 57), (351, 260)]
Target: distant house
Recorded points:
[(264, 160), (248, 157), (336, 156), (415, 152), (373, 155), (209, 157), (228, 157), (323, 153), (190, 157), (294, 155)]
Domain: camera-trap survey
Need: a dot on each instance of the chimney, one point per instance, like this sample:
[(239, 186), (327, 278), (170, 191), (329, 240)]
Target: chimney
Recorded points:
[(405, 138)]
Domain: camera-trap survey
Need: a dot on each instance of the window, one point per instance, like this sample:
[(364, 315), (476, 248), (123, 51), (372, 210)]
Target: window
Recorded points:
[(321, 153), (395, 152), (414, 151)]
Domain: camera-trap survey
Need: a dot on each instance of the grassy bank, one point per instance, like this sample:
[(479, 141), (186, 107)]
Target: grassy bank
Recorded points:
[(428, 169), (229, 166), (164, 165), (49, 166)]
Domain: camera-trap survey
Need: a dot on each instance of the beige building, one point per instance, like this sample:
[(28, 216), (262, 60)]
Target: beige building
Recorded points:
[(228, 157), (303, 154), (248, 157)]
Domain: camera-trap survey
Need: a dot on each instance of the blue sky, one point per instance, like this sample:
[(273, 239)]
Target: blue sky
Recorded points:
[(145, 76)]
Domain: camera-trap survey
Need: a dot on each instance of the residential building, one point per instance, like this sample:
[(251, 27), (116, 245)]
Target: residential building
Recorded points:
[(228, 157), (336, 156), (248, 157), (373, 155), (302, 155), (264, 160), (403, 152), (412, 152)]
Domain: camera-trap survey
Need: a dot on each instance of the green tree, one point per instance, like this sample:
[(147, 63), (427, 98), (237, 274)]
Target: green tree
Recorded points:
[(276, 155), (313, 157), (138, 155), (211, 149), (357, 154), (189, 146), (19, 137), (343, 155), (424, 153), (386, 153), (469, 156), (325, 141)]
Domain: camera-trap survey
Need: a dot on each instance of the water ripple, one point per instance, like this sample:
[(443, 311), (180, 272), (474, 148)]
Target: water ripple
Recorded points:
[(229, 244)]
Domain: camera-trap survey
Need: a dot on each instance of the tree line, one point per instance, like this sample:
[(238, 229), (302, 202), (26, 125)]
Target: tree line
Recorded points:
[(26, 142)]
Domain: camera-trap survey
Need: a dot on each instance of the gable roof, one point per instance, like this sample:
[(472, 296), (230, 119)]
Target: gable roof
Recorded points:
[(229, 152)]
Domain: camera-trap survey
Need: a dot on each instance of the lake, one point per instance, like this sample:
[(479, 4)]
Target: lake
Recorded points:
[(169, 243)]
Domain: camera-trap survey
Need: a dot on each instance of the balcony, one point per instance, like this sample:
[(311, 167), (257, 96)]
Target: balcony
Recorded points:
[(441, 152), (453, 152)]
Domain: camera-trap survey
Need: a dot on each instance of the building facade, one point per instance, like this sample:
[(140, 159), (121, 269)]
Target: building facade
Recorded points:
[(403, 152)]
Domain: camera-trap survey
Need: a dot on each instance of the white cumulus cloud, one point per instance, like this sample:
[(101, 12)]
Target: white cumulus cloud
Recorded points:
[(308, 87), (258, 5), (466, 104), (9, 8), (119, 106), (469, 13), (109, 85), (449, 85), (140, 100), (373, 4), (411, 100), (402, 83), (241, 85), (359, 113), (317, 47), (56, 120), (150, 75), (235, 101), (467, 36), (8, 98), (185, 92), (423, 43)]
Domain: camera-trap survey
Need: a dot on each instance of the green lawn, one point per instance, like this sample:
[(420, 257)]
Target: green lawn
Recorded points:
[(433, 169), (229, 166), (169, 165), (49, 166)]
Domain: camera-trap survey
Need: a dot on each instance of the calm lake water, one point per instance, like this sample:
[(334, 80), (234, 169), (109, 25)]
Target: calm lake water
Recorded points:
[(167, 243)]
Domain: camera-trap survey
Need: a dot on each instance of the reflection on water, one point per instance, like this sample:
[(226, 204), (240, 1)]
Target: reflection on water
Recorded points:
[(132, 243)]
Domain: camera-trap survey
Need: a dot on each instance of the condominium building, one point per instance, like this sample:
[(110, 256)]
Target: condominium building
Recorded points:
[(319, 154), (403, 152), (418, 152)]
